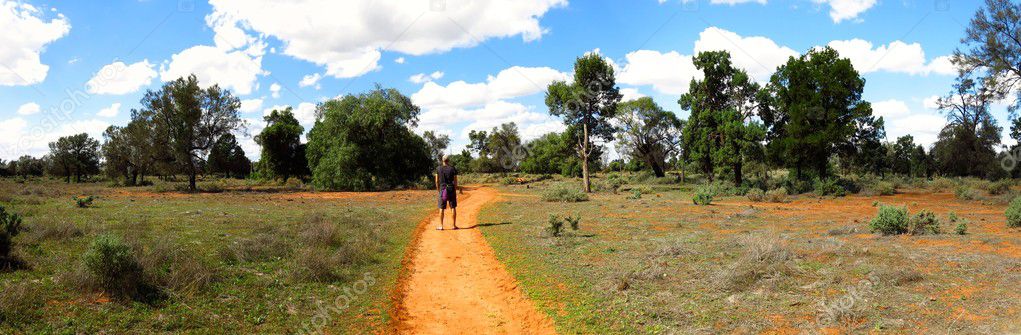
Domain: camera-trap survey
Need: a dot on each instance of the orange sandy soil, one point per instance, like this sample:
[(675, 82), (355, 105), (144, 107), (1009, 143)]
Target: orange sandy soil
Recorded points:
[(455, 285)]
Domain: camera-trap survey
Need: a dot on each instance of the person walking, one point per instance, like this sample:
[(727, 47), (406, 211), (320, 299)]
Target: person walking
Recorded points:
[(446, 184)]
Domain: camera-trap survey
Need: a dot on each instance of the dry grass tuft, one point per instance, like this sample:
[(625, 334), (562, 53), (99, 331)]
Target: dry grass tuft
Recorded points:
[(764, 257)]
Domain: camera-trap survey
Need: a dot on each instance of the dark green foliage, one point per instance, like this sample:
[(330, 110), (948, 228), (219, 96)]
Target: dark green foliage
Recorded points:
[(589, 103), (131, 152), (28, 166), (1014, 213), (992, 51), (720, 135), (114, 267), (227, 158), (813, 107), (924, 222), (437, 144), (75, 156), (967, 144), (84, 201), (648, 133), (187, 120), (283, 155), (962, 224), (829, 187), (364, 142), (553, 153), (891, 220), (556, 225), (10, 226), (704, 195)]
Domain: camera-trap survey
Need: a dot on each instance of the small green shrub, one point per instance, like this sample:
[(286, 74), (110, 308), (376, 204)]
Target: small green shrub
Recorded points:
[(84, 201), (1014, 213), (962, 228), (879, 188), (563, 194), (113, 266), (756, 195), (891, 220), (574, 222), (777, 195), (966, 193), (10, 226), (941, 184), (635, 194), (999, 187), (704, 196), (924, 222), (828, 187), (556, 226)]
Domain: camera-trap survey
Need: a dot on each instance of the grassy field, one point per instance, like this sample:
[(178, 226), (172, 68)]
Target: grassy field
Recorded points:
[(658, 264), (252, 261)]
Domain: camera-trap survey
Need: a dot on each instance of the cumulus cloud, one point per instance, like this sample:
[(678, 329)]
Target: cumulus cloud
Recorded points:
[(841, 10), (629, 94), (399, 60), (509, 83), (29, 109), (758, 55), (423, 78), (667, 73), (251, 105), (234, 61), (348, 37), (894, 57), (274, 90), (111, 111), (310, 80), (19, 139), (26, 34), (120, 78), (923, 125)]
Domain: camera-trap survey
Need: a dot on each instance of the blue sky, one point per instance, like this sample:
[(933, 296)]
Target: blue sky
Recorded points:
[(77, 66)]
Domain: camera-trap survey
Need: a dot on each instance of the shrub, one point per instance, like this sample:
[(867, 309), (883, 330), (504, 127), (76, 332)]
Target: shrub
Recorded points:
[(891, 220), (999, 187), (764, 256), (828, 187), (574, 222), (756, 195), (84, 201), (1014, 213), (316, 265), (704, 196), (635, 194), (777, 195), (564, 194), (924, 222), (966, 193), (10, 226), (962, 224), (940, 184), (879, 188), (556, 226), (113, 266)]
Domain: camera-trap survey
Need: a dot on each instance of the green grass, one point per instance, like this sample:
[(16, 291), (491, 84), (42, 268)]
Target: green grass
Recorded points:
[(244, 297)]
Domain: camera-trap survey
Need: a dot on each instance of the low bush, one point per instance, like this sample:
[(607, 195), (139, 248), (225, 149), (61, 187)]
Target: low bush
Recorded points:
[(704, 196), (763, 257), (891, 220), (777, 195), (999, 187), (84, 201), (879, 188), (1014, 213), (942, 184), (10, 226), (635, 194), (264, 246), (828, 187), (556, 226), (52, 229), (113, 267), (564, 194), (756, 195), (966, 193), (961, 228), (924, 222)]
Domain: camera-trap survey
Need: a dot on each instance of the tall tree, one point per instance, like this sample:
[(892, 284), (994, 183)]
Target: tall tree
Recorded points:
[(904, 155), (504, 147), (27, 166), (588, 103), (437, 144), (992, 50), (967, 144), (130, 151), (228, 158), (719, 130), (811, 106), (282, 155), (365, 142), (648, 133), (190, 119), (75, 156)]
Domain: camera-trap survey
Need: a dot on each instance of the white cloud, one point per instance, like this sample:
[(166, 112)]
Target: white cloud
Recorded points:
[(251, 105), (667, 73), (512, 82), (629, 94), (841, 10), (531, 123), (348, 37), (423, 78), (310, 80), (894, 57), (111, 111), (305, 113), (120, 78), (757, 55), (931, 102), (274, 90), (21, 140), (399, 60), (735, 2), (234, 70), (923, 125), (26, 34), (29, 109)]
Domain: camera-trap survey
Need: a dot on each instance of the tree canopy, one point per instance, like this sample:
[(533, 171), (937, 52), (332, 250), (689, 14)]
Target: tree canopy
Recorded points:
[(648, 133)]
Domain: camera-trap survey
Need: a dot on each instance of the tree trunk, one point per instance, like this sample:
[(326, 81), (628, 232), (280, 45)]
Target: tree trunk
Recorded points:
[(191, 177), (738, 175), (584, 160), (657, 169)]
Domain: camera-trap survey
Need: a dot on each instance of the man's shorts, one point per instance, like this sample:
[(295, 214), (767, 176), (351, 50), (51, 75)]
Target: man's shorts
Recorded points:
[(451, 198)]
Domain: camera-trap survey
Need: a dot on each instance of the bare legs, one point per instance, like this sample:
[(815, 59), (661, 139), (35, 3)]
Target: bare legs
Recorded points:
[(453, 212), (441, 220)]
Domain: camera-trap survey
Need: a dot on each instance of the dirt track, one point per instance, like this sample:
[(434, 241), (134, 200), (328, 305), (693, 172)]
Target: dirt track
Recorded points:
[(455, 284)]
